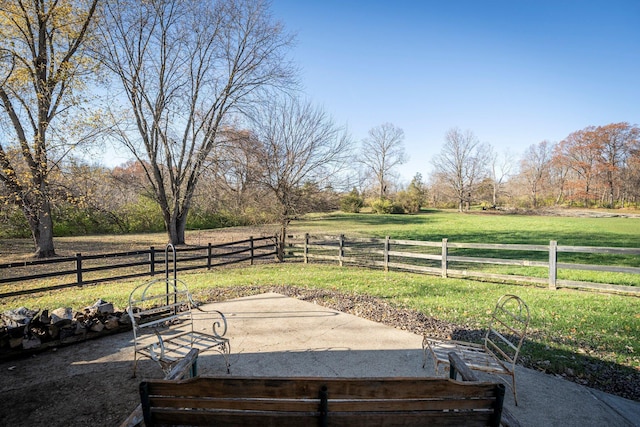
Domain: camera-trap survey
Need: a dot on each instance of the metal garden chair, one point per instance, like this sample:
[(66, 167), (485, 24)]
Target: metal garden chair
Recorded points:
[(501, 344)]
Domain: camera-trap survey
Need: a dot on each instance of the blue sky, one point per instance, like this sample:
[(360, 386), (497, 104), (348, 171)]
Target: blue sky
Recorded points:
[(514, 72)]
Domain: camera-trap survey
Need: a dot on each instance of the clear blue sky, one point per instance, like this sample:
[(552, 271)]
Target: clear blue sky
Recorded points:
[(514, 72)]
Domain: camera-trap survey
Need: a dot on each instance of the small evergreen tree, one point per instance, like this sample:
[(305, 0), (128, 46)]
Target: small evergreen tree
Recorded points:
[(352, 202)]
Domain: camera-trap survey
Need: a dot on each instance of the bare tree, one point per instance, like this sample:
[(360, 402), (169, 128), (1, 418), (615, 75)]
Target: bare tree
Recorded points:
[(462, 163), (382, 151), (535, 168), (43, 66), (501, 168), (298, 144), (186, 66)]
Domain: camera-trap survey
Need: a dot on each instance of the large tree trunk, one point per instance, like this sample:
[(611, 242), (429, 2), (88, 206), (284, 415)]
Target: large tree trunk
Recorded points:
[(41, 225), (176, 227)]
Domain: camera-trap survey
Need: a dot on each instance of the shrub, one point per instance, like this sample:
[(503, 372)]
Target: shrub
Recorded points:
[(13, 223), (352, 202), (201, 219), (143, 216), (385, 206)]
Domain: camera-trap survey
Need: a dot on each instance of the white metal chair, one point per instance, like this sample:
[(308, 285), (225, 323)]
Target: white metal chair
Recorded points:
[(501, 344), (162, 313)]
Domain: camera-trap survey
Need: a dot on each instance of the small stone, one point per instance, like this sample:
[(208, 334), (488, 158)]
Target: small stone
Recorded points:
[(111, 323), (62, 316), (80, 329), (67, 332), (102, 307), (30, 343), (97, 326)]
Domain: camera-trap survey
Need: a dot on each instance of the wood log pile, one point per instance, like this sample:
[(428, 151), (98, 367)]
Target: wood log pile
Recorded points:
[(24, 331)]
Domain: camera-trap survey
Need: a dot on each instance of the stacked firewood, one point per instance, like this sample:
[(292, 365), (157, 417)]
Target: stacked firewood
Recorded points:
[(25, 329)]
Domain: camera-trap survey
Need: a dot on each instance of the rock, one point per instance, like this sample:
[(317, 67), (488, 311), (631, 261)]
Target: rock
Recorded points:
[(67, 332), (62, 316), (32, 342), (97, 326), (111, 323), (81, 328), (54, 331), (124, 319), (15, 342), (44, 317), (101, 306), (19, 317)]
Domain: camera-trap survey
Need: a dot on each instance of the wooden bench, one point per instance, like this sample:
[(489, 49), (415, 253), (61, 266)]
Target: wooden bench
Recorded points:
[(164, 318), (262, 401)]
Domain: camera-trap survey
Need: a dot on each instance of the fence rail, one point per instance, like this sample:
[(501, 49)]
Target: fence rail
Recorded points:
[(435, 258), (82, 270)]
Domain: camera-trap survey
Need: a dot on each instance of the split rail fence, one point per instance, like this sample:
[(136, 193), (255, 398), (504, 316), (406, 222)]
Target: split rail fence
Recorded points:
[(65, 272), (448, 259), (444, 258)]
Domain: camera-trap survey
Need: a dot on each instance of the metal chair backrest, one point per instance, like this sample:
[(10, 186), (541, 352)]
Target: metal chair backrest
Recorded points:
[(159, 304), (507, 329)]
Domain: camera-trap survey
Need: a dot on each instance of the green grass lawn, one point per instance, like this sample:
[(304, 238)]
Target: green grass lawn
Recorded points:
[(481, 228), (502, 229)]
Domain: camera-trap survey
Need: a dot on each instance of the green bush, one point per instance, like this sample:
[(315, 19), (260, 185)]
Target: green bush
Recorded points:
[(143, 216), (352, 202), (385, 206), (13, 223), (408, 203), (200, 219)]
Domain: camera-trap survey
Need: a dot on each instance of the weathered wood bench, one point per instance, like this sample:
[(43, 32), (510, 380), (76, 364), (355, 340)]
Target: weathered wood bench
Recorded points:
[(261, 401), (164, 317)]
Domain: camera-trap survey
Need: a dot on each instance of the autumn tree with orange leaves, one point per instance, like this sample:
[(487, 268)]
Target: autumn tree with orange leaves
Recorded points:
[(598, 159)]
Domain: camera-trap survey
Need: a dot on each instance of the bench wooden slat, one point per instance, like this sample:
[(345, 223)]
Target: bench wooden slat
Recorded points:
[(312, 405), (289, 405), (232, 419), (285, 419), (307, 387)]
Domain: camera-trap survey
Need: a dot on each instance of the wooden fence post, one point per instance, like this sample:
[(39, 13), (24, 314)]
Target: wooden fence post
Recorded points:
[(252, 249), (152, 261), (79, 268), (306, 248), (341, 250), (209, 252), (444, 257), (386, 253), (553, 264)]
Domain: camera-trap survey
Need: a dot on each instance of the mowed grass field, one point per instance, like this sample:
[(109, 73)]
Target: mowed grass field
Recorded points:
[(587, 336)]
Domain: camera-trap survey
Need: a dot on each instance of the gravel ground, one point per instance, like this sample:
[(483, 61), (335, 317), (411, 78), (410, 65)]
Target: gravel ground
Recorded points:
[(599, 375)]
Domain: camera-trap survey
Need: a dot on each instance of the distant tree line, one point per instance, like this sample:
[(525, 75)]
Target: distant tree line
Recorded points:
[(594, 167)]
